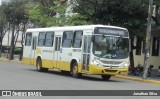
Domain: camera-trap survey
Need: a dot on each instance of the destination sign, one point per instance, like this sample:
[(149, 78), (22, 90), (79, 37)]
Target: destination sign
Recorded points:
[(111, 31)]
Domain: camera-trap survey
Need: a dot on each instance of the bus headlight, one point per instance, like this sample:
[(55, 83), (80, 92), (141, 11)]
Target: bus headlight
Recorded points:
[(125, 65), (94, 62)]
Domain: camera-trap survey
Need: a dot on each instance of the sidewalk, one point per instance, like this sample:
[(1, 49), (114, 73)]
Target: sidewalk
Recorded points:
[(16, 59)]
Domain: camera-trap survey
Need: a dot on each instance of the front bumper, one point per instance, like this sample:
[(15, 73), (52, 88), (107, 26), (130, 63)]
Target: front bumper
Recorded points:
[(107, 71)]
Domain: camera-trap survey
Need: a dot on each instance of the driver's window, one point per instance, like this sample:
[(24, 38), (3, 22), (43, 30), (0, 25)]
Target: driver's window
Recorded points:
[(109, 41)]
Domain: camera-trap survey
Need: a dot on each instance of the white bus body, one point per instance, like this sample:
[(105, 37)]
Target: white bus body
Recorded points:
[(78, 49)]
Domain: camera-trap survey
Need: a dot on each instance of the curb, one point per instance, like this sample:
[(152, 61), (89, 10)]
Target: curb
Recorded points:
[(7, 60), (137, 79)]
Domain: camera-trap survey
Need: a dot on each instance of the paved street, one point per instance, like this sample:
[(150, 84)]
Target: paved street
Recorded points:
[(24, 77), (19, 76)]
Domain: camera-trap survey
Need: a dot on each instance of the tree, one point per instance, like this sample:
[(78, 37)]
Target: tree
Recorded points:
[(131, 14), (3, 27), (77, 19), (15, 15), (44, 13)]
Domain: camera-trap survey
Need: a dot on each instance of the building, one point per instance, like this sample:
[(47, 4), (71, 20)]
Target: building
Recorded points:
[(4, 2), (154, 58), (7, 39)]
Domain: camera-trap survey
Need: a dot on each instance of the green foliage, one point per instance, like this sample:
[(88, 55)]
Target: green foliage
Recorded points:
[(77, 19), (17, 51), (3, 24), (47, 13), (15, 12), (157, 2), (131, 14)]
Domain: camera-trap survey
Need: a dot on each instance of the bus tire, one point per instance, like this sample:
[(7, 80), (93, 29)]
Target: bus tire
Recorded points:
[(39, 66), (106, 77), (75, 73)]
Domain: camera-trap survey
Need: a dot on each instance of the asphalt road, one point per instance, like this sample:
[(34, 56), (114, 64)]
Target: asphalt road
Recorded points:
[(15, 76)]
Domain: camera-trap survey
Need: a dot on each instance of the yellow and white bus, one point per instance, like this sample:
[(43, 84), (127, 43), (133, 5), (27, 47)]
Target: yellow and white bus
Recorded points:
[(87, 49)]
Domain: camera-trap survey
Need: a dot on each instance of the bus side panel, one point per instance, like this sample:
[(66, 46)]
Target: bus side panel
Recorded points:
[(46, 54), (77, 54), (26, 60), (47, 63), (64, 65), (65, 57), (27, 50), (80, 67)]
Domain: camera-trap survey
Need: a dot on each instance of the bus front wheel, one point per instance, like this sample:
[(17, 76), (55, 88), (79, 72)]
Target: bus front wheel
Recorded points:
[(75, 71), (106, 77), (39, 66)]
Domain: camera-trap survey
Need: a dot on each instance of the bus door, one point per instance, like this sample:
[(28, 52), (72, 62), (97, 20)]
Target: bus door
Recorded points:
[(33, 53), (57, 51), (86, 52)]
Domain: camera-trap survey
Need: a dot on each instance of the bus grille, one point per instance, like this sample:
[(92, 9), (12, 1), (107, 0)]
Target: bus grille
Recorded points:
[(106, 70), (111, 66), (111, 62)]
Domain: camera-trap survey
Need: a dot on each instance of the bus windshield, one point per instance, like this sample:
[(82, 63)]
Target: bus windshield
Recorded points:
[(111, 47)]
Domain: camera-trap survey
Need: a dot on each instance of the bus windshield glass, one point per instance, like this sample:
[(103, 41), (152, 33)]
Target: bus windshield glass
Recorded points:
[(111, 47)]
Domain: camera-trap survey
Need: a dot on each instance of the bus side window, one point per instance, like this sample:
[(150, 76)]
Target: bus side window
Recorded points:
[(77, 40), (28, 39), (41, 39), (49, 39), (67, 39)]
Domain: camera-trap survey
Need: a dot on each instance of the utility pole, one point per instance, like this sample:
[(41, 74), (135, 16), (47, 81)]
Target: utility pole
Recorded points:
[(148, 39)]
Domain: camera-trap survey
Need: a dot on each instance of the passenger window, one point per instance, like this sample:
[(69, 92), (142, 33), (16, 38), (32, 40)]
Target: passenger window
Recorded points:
[(49, 39), (41, 39), (28, 39), (67, 39), (77, 39)]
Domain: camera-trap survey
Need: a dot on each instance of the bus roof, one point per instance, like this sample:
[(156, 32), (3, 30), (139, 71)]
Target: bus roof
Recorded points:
[(84, 27)]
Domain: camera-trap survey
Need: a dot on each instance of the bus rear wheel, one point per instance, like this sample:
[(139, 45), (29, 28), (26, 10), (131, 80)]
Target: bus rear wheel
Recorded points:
[(39, 66), (75, 73), (106, 77)]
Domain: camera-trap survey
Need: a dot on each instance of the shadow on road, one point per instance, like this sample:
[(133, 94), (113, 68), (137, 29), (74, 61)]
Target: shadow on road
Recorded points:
[(84, 76), (95, 78)]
